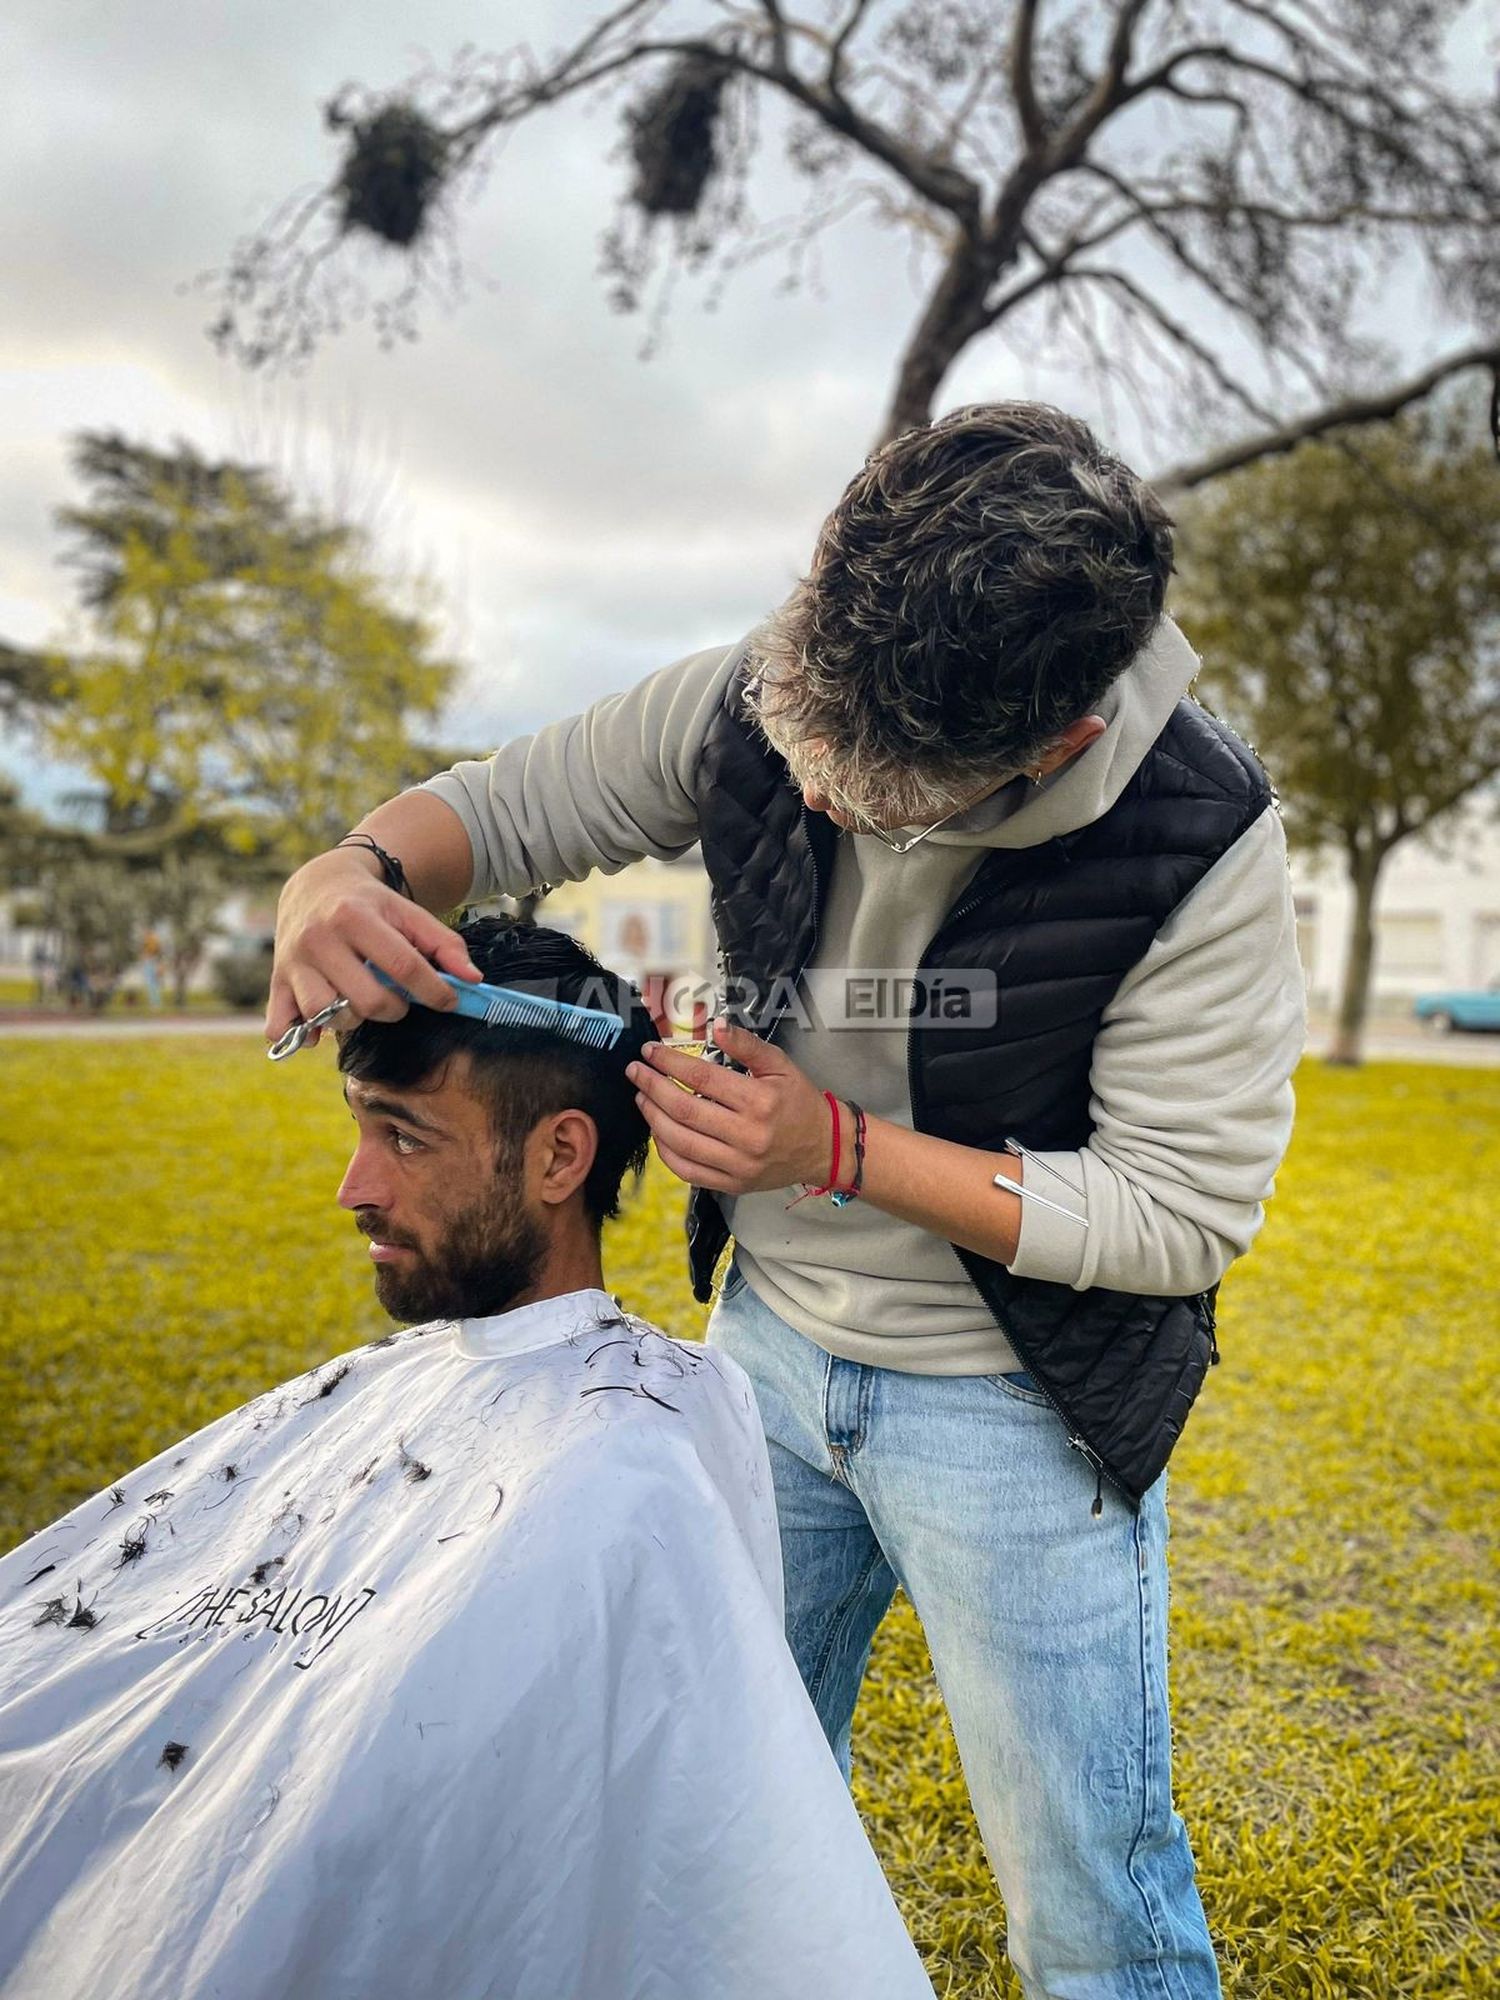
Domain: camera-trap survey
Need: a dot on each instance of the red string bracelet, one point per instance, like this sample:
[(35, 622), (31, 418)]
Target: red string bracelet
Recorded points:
[(833, 1176)]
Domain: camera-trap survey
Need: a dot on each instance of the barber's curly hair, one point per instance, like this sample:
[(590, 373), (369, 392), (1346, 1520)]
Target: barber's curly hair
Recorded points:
[(979, 585)]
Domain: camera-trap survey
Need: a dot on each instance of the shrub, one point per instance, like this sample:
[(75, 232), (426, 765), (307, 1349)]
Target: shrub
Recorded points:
[(243, 978)]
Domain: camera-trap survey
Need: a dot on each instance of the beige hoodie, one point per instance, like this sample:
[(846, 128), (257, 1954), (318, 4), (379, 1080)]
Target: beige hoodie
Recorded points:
[(1190, 1090)]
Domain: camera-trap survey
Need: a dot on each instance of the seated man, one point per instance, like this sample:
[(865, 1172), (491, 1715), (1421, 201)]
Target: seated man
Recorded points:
[(456, 1666)]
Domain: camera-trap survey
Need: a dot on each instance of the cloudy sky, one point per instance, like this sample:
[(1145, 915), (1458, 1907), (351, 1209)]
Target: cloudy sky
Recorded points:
[(586, 515)]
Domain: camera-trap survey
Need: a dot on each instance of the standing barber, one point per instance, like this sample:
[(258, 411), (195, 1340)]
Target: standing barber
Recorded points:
[(965, 745)]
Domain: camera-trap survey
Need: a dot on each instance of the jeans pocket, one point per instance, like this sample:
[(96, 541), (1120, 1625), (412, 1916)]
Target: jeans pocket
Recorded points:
[(1020, 1387), (734, 1280)]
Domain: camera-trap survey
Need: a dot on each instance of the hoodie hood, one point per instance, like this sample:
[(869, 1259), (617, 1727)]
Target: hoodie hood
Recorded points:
[(1136, 708)]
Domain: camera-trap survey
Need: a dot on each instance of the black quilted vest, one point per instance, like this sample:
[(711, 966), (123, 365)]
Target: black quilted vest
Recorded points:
[(1060, 925)]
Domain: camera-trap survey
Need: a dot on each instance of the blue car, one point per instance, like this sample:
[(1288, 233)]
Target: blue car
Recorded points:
[(1441, 1013)]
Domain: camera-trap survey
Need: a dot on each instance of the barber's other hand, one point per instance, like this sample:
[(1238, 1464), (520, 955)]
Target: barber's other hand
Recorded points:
[(736, 1134), (332, 915)]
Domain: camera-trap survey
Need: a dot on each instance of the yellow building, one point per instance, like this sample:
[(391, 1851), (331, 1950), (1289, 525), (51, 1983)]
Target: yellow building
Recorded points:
[(652, 922)]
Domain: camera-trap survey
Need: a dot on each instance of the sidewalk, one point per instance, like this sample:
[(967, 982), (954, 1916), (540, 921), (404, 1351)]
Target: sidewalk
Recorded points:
[(37, 1024), (1391, 1039)]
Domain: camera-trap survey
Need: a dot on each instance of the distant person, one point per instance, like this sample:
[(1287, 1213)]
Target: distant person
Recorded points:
[(100, 977), (456, 1666), (151, 958), (75, 979), (42, 969)]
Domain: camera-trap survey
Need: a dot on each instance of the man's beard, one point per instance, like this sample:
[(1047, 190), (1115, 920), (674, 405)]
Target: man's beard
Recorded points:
[(487, 1258), (875, 791)]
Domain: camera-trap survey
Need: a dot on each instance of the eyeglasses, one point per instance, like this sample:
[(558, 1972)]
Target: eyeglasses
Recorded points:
[(898, 846)]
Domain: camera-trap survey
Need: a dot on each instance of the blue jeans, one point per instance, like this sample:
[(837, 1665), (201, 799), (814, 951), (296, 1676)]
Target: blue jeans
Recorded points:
[(1047, 1626)]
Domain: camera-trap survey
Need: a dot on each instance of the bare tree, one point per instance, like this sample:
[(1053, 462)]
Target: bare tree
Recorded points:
[(1201, 198)]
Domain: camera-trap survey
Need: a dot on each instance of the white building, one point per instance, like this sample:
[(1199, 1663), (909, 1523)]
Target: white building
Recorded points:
[(652, 922), (1437, 917)]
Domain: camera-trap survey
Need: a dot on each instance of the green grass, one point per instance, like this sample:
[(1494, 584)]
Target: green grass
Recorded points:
[(169, 1245)]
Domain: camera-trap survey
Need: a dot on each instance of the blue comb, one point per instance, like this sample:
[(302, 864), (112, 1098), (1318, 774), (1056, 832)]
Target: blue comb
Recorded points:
[(508, 1007)]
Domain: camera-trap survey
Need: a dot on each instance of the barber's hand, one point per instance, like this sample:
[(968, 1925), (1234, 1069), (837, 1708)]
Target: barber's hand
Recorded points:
[(332, 915), (739, 1133)]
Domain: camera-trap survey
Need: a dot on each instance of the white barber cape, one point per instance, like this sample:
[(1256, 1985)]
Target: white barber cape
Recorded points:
[(454, 1668)]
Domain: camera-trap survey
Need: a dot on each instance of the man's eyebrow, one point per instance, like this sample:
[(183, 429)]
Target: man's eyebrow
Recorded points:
[(392, 1107)]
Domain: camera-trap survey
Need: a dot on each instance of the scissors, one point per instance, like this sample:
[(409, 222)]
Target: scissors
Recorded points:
[(288, 1044)]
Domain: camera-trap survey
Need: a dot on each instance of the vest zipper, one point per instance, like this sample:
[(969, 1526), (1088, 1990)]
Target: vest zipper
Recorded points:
[(817, 918), (1076, 1440), (818, 894)]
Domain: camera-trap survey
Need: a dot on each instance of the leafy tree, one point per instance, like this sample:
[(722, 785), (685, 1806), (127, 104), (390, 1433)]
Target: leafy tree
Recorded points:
[(141, 500), (25, 838), (185, 895), (27, 684), (1348, 610), (1199, 201), (96, 906), (240, 663)]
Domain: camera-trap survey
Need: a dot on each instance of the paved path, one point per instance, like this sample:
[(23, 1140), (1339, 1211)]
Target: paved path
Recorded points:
[(1404, 1041), (120, 1028)]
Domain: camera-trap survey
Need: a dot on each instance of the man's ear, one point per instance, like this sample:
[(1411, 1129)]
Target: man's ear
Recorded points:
[(564, 1148), (1077, 736)]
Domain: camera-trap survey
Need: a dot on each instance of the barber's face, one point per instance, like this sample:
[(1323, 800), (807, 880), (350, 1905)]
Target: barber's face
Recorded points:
[(818, 799), (452, 1232)]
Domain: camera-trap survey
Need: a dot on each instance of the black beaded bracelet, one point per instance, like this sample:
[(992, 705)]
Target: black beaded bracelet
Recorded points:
[(390, 867), (843, 1196)]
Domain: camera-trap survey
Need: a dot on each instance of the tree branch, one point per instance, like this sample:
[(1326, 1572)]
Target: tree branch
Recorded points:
[(1050, 274), (1111, 89), (1154, 218), (985, 126), (1283, 438), (1022, 77), (1446, 801), (833, 81), (772, 10), (945, 186), (1181, 336)]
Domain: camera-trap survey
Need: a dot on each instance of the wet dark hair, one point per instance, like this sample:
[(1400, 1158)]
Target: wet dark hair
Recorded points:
[(526, 1074)]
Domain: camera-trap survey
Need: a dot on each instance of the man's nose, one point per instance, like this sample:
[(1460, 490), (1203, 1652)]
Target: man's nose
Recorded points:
[(360, 1187), (817, 802), (812, 798)]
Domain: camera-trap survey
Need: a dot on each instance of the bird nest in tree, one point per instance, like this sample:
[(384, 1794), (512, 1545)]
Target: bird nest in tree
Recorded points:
[(672, 134), (395, 167)]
